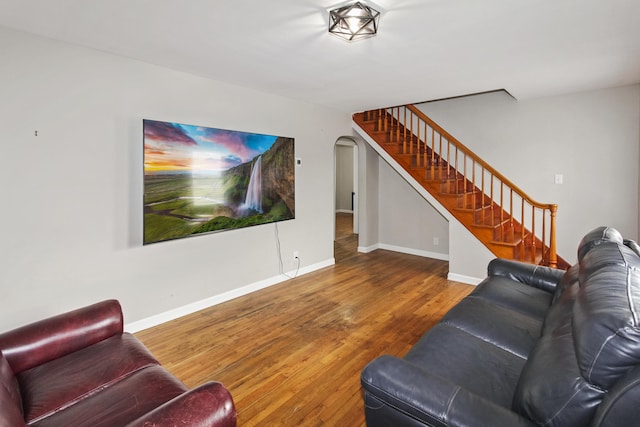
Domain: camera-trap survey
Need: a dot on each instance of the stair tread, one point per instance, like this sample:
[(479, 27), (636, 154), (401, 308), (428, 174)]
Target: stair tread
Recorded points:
[(510, 244), (493, 225), (443, 180)]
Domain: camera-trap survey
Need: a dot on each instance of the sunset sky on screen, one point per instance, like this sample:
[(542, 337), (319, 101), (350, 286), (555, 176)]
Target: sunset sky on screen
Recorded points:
[(174, 148)]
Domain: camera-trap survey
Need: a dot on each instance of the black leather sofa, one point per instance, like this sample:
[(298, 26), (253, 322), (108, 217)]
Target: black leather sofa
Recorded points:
[(530, 346)]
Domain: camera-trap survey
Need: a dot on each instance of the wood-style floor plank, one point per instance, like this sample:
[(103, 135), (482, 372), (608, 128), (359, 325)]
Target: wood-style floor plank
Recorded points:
[(291, 354)]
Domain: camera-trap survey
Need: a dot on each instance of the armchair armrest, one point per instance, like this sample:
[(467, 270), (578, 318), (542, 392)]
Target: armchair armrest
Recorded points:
[(51, 338), (209, 405), (545, 278), (430, 399)]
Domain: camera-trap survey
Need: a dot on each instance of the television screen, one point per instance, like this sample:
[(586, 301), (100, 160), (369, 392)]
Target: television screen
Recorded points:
[(202, 180)]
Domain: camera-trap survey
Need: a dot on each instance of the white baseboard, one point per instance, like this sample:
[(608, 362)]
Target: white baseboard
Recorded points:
[(344, 211), (175, 313), (367, 249), (411, 251), (463, 279)]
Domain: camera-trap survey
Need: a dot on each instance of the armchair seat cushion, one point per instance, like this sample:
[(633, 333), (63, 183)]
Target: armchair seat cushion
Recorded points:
[(55, 385), (121, 403)]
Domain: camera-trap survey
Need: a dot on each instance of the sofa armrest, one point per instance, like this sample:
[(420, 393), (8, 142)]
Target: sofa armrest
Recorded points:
[(209, 405), (620, 405), (431, 399), (545, 278), (40, 342)]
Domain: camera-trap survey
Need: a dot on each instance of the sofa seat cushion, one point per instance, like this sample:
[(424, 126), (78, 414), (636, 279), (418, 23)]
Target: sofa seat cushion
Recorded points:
[(510, 330), (60, 383), (121, 402), (447, 352)]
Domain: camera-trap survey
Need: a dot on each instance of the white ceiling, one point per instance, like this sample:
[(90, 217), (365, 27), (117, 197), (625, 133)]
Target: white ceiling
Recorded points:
[(425, 49)]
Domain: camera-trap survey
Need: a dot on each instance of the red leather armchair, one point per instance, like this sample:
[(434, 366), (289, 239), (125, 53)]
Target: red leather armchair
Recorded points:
[(80, 369)]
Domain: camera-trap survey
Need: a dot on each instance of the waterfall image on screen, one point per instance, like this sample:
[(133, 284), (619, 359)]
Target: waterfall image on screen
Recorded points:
[(202, 180), (254, 190)]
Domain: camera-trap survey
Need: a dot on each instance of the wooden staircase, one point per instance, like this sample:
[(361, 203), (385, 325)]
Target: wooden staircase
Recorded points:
[(507, 221)]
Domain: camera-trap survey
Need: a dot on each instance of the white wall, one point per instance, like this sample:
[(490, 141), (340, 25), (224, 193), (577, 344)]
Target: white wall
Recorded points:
[(468, 257), (591, 138), (344, 177), (72, 196), (368, 187), (408, 223)]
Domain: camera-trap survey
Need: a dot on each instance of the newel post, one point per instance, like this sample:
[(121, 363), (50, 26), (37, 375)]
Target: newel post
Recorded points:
[(553, 256)]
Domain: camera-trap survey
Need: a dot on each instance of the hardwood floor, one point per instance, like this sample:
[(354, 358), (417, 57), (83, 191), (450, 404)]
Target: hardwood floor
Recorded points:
[(291, 354)]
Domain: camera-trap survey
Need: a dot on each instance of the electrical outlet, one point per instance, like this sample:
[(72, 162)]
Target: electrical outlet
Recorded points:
[(296, 255), (436, 241)]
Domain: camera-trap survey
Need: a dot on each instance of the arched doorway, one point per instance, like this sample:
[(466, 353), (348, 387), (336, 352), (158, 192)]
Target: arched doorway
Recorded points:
[(346, 191)]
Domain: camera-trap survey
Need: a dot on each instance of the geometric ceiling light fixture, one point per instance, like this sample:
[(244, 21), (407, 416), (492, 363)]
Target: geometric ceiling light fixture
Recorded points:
[(353, 22)]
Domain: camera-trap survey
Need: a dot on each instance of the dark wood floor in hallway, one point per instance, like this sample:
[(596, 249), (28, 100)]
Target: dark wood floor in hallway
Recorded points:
[(291, 354), (345, 244)]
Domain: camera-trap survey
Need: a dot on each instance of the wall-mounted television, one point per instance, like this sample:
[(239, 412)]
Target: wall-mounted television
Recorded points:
[(203, 180)]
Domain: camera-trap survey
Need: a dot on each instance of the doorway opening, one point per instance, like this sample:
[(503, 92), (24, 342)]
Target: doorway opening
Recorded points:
[(346, 199)]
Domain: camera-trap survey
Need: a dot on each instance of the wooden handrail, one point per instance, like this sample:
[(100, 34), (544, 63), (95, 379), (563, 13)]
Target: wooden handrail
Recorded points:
[(437, 151), (477, 158)]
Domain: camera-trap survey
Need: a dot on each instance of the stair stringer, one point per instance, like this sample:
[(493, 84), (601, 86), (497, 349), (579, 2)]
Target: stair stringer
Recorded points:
[(468, 257)]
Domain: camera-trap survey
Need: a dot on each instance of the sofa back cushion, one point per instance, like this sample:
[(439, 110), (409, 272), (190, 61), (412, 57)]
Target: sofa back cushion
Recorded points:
[(561, 309), (633, 245), (606, 321), (10, 401), (596, 237), (552, 391), (591, 339)]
